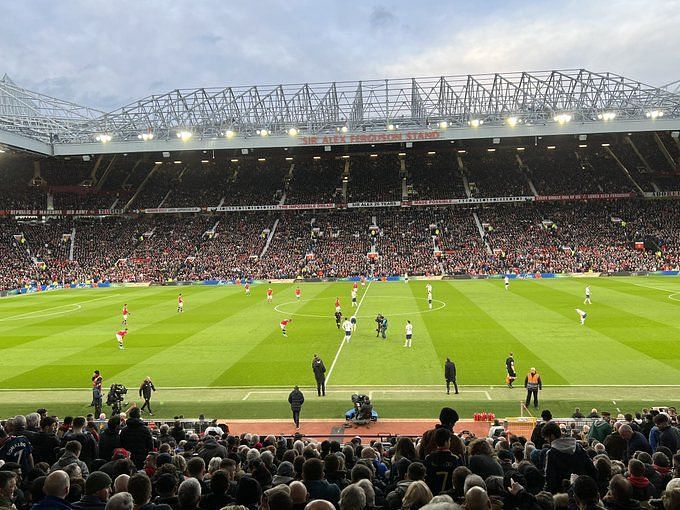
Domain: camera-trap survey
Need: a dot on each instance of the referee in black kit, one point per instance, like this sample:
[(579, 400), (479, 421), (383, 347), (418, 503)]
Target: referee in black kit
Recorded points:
[(450, 376)]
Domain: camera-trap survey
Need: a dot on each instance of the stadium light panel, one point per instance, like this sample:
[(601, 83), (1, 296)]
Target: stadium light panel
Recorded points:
[(289, 158), (184, 135), (374, 155), (520, 148), (582, 145), (390, 127), (431, 153), (145, 136), (550, 147), (654, 114), (605, 145), (491, 149), (178, 162), (443, 124), (292, 131), (512, 121), (2, 151), (157, 162), (317, 158), (475, 123), (562, 118), (234, 160), (262, 132), (402, 154), (229, 133), (606, 116), (343, 129), (103, 138), (205, 161), (262, 160), (345, 156)]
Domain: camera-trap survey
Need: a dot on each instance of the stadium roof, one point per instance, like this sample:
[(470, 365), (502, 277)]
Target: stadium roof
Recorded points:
[(340, 113)]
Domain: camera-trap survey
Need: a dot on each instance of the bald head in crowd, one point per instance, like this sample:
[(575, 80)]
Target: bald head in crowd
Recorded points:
[(298, 492), (477, 499), (57, 484), (121, 483), (319, 504)]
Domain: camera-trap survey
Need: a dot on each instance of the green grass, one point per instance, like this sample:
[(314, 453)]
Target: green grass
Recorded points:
[(225, 339)]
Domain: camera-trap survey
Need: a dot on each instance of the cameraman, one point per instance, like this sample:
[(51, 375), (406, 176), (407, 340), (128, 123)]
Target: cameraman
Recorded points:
[(145, 391)]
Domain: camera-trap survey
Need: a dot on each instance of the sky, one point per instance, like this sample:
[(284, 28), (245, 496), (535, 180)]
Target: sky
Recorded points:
[(106, 54)]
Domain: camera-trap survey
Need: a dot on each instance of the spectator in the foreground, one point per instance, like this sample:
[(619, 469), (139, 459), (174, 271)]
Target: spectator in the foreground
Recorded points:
[(46, 442), (317, 487), (585, 493), (8, 486), (635, 441), (643, 489), (298, 493), (352, 497), (477, 499), (71, 456), (120, 501), (136, 438), (56, 489), (189, 494), (564, 458), (620, 495), (97, 492), (417, 495)]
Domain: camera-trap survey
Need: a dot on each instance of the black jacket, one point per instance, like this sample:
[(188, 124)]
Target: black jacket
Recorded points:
[(296, 399), (136, 438), (211, 448), (90, 449), (45, 445), (109, 440), (89, 503), (319, 370), (145, 389), (564, 458), (450, 371)]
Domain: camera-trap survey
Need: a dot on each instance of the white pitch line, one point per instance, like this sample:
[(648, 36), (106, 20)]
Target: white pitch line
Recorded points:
[(342, 342), (33, 313), (247, 395), (488, 397)]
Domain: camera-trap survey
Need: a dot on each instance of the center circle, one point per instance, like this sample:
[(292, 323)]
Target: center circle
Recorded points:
[(277, 308)]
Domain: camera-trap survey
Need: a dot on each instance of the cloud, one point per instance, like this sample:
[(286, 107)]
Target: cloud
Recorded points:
[(107, 54)]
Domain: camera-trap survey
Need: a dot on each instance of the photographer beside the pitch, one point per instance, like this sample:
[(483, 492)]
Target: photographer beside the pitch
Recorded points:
[(145, 391)]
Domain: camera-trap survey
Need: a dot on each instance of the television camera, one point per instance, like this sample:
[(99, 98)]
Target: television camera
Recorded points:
[(115, 398)]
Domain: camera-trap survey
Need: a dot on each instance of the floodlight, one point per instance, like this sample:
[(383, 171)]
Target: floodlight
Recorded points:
[(606, 116), (443, 124), (184, 135), (317, 158), (512, 121), (476, 123), (145, 136), (562, 118), (103, 138), (654, 114), (390, 127), (292, 131), (229, 133), (263, 132), (343, 129)]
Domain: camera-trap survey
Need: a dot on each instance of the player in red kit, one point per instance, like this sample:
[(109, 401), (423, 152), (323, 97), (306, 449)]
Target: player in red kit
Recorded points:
[(125, 315), (270, 294), (120, 336), (247, 287), (298, 293), (180, 303), (337, 304), (355, 286), (283, 325)]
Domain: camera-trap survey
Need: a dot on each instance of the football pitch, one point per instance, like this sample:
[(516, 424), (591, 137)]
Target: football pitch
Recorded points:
[(225, 355)]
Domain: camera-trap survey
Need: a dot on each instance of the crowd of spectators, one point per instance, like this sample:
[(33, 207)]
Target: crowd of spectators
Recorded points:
[(316, 182), (375, 179), (603, 236), (627, 463), (495, 174)]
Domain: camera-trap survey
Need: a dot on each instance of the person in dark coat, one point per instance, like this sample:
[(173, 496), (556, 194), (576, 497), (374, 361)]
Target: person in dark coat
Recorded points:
[(320, 375), (450, 375), (56, 488), (46, 442), (145, 391), (296, 399), (615, 445), (136, 438), (97, 491), (564, 458), (635, 441), (90, 449), (210, 448), (109, 438), (317, 486)]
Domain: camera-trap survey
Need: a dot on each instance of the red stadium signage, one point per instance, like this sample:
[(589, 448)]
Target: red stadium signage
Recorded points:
[(395, 203), (61, 212), (342, 139), (590, 196), (270, 207)]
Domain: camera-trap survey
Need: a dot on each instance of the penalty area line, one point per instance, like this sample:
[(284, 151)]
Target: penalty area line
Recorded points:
[(342, 342)]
